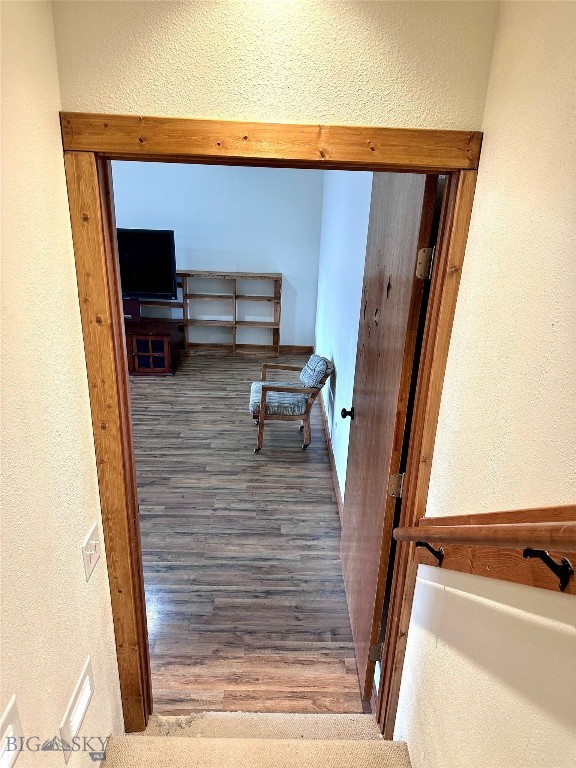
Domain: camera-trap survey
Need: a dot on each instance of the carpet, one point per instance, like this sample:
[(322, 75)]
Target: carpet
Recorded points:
[(185, 752), (253, 725)]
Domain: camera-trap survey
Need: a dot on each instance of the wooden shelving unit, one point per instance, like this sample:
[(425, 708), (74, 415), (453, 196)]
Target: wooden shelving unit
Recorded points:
[(191, 294)]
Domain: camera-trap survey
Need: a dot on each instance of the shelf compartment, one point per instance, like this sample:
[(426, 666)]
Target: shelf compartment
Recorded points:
[(213, 323), (241, 297), (209, 296), (257, 324)]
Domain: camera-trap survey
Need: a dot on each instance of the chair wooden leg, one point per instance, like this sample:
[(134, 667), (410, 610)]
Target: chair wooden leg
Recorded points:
[(307, 432), (260, 441)]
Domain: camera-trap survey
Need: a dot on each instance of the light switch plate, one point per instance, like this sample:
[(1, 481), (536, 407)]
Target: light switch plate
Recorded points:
[(10, 734), (91, 550)]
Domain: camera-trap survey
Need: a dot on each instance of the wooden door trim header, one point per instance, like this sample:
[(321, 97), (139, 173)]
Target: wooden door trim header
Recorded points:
[(90, 141), (130, 137)]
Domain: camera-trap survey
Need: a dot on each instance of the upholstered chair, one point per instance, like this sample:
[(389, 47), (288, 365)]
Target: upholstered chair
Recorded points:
[(288, 400)]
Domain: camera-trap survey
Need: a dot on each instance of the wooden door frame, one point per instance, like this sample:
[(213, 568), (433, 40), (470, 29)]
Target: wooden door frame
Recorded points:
[(90, 142), (449, 258)]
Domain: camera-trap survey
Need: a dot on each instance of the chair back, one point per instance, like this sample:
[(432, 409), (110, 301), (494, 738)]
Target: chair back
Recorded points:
[(316, 372)]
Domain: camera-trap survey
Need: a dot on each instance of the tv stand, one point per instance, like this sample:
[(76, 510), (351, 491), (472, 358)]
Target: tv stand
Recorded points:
[(153, 346)]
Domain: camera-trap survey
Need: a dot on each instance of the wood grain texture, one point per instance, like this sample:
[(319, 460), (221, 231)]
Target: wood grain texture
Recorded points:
[(501, 562), (539, 535), (379, 404), (505, 564), (244, 588), (104, 345), (409, 371), (105, 182), (556, 514), (272, 144), (452, 237)]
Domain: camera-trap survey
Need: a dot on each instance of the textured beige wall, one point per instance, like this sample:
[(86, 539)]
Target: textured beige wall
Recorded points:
[(490, 676), (489, 665), (51, 619), (348, 62)]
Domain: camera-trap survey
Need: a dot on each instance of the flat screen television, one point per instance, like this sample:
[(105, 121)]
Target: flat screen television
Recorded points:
[(147, 263)]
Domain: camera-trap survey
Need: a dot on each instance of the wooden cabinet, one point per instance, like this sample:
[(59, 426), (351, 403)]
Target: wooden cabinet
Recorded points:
[(153, 347)]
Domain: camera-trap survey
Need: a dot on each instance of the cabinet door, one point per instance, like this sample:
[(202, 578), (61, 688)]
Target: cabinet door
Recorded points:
[(151, 355)]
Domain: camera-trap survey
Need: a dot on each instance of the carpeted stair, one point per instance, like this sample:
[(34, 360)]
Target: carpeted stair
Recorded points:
[(247, 740)]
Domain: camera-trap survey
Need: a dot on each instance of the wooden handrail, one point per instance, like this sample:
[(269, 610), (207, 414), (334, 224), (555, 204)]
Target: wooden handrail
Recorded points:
[(559, 536), (502, 545)]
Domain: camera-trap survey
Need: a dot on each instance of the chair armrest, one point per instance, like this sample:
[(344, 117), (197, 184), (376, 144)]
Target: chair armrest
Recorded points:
[(278, 367)]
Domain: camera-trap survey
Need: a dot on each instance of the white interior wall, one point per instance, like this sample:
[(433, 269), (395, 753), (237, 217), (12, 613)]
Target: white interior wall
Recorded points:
[(235, 219), (52, 619), (345, 213), (490, 673)]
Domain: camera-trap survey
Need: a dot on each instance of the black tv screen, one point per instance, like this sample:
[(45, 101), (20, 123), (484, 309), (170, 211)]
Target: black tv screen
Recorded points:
[(147, 263)]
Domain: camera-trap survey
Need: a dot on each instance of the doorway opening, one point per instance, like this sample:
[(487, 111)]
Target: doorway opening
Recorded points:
[(245, 600), (90, 142), (233, 275)]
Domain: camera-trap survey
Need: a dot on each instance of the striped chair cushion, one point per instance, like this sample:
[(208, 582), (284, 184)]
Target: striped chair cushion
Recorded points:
[(278, 403), (314, 371)]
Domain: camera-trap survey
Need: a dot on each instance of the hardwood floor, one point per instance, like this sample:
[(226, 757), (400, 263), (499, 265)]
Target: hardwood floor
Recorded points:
[(244, 591)]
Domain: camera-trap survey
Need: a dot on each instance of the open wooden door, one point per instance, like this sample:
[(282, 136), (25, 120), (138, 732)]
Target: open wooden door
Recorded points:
[(400, 224)]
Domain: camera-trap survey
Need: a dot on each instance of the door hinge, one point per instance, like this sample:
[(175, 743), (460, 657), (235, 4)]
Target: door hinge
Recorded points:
[(424, 263), (375, 653), (395, 485)]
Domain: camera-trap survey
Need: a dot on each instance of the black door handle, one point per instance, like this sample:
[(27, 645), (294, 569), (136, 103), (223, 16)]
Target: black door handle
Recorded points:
[(345, 413)]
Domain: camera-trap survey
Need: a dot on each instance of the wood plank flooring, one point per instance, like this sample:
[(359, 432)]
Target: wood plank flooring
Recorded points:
[(244, 591)]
